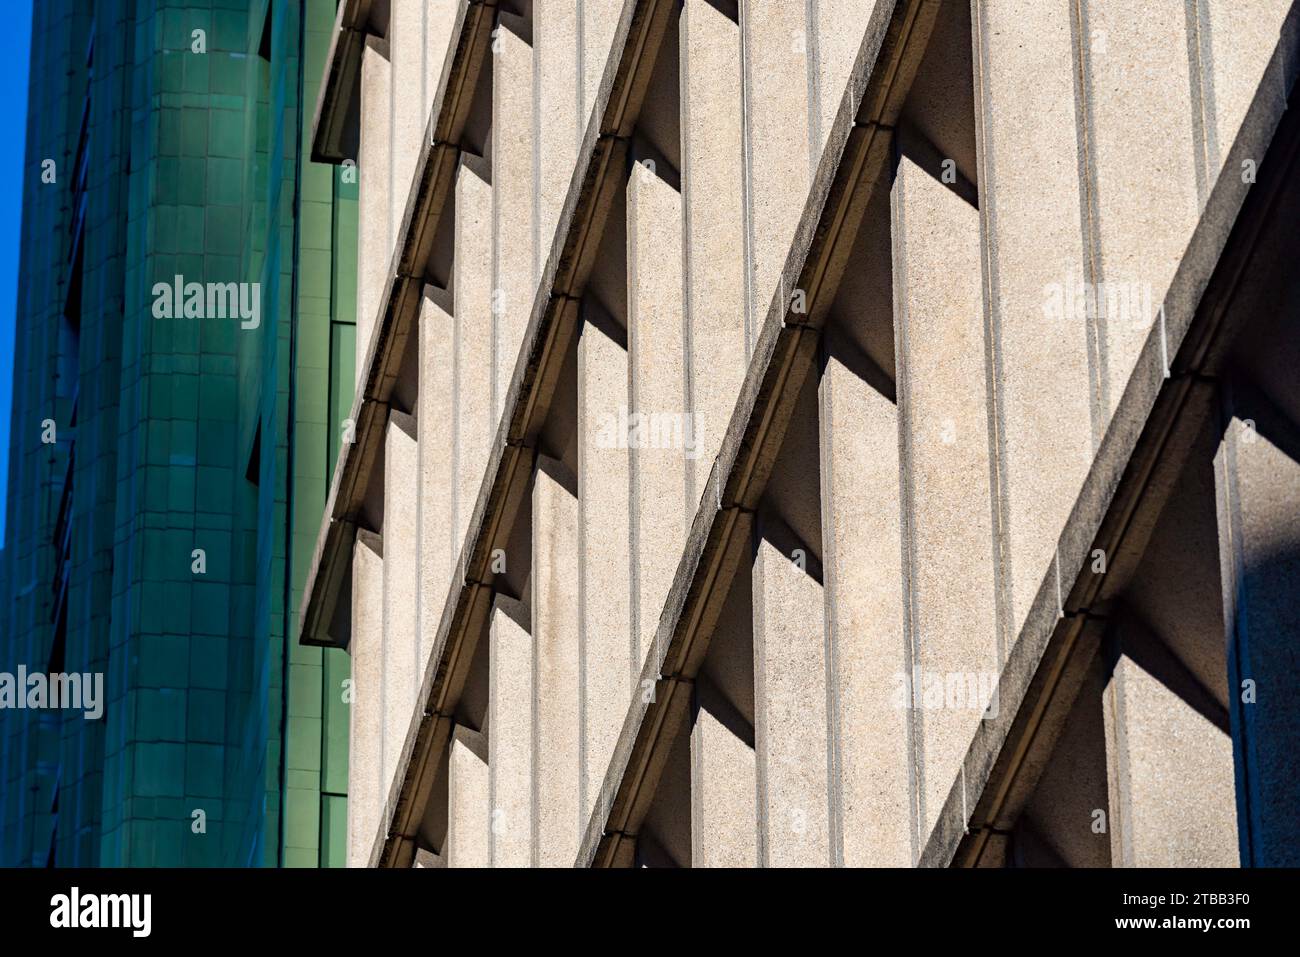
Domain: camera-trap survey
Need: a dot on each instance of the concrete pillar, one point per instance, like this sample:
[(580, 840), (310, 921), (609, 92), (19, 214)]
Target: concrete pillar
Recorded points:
[(723, 783), (439, 23), (375, 189), (407, 50), (1032, 230), (662, 437), (512, 199), (1232, 42), (469, 823), (472, 285), (791, 733), (365, 726), (435, 425), (608, 645), (556, 736), (664, 836), (556, 93), (1169, 777), (871, 788), (599, 21), (774, 43), (713, 215), (724, 766), (951, 617), (1141, 186), (401, 579), (1257, 472), (837, 33), (510, 722)]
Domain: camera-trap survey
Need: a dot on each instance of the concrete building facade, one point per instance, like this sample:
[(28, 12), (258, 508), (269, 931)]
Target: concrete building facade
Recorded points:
[(861, 432)]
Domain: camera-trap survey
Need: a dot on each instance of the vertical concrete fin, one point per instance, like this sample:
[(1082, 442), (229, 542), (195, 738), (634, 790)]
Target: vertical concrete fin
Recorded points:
[(943, 439), (435, 425), (1041, 357), (1141, 126), (556, 740), (722, 783), (406, 41), (604, 582), (512, 199), (661, 436), (469, 824), (837, 33), (713, 203), (775, 98), (1231, 44), (374, 243), (556, 91), (439, 22), (790, 726), (599, 20), (870, 784), (365, 725), (1257, 474), (472, 287), (401, 579), (510, 726), (1169, 776)]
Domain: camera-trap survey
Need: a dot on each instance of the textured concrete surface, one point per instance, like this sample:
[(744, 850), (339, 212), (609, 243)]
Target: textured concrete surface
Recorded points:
[(366, 717), (944, 447), (510, 742), (1170, 778), (1063, 810), (556, 735), (436, 434), (472, 286), (775, 100), (1142, 193), (401, 678), (512, 199), (1033, 235), (783, 760), (556, 94), (599, 22), (1258, 475), (871, 783), (409, 115), (469, 823), (791, 735), (374, 206), (604, 574), (836, 36), (713, 203), (661, 437), (439, 26), (1235, 41), (723, 784)]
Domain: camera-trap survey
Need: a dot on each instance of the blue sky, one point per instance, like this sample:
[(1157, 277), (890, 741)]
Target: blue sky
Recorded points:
[(15, 49)]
